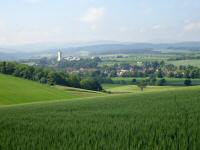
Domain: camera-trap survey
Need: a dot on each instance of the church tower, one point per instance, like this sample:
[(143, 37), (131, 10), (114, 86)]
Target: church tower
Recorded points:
[(59, 56)]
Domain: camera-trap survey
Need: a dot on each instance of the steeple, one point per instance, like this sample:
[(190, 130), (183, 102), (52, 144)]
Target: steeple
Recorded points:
[(59, 55)]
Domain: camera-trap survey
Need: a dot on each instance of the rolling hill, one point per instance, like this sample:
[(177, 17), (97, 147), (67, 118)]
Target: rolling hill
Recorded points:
[(39, 50), (158, 118), (117, 88), (152, 120), (16, 91)]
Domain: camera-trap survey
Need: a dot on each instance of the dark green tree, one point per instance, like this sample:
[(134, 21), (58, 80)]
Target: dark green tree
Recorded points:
[(142, 85), (161, 82), (188, 82), (90, 84)]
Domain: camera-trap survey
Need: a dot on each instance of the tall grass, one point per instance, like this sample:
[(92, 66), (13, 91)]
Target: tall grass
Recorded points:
[(165, 120)]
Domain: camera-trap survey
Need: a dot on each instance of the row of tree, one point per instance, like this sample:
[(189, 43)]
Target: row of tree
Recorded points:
[(144, 83), (77, 64), (155, 68), (48, 76)]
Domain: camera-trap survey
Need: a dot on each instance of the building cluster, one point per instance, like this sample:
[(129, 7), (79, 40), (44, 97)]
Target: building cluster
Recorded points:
[(68, 58)]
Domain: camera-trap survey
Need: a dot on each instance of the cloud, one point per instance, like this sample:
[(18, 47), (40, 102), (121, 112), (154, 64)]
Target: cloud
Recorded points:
[(192, 26), (147, 11), (142, 30), (123, 29), (93, 27), (186, 3), (2, 26), (93, 14), (32, 1), (156, 27), (31, 35)]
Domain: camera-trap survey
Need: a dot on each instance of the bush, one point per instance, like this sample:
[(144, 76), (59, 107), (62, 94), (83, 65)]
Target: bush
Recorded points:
[(161, 82), (187, 82), (90, 84), (43, 80), (134, 81), (142, 85)]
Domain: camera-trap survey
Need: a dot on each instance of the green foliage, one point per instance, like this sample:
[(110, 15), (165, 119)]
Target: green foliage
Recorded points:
[(165, 120), (134, 81), (82, 63), (142, 84), (188, 82), (161, 82), (90, 84), (74, 80), (160, 73), (41, 75), (54, 78), (152, 81)]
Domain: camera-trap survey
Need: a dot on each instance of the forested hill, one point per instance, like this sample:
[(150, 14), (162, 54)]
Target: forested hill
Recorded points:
[(50, 49)]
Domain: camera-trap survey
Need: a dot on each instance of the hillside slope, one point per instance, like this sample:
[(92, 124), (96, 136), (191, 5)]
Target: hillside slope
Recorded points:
[(15, 91), (154, 120)]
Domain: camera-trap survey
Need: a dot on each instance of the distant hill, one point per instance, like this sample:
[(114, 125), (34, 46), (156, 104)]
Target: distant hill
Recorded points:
[(103, 47), (132, 47)]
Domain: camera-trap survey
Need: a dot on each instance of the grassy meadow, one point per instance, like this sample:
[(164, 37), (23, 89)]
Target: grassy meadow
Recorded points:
[(163, 56), (152, 120), (119, 89), (16, 91), (133, 58), (169, 81), (166, 117), (194, 62)]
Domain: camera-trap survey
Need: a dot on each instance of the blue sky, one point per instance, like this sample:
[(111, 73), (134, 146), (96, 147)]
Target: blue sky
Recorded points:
[(33, 21)]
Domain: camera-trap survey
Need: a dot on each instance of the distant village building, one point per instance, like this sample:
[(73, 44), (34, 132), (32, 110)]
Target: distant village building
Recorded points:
[(68, 58), (139, 62), (122, 72), (72, 58)]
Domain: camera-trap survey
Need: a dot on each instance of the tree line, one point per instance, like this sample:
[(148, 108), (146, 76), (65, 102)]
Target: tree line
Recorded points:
[(154, 68), (48, 76), (77, 64)]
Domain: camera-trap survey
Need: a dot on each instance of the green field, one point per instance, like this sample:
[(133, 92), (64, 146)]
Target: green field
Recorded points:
[(15, 91), (118, 89), (153, 120), (194, 62), (165, 117), (165, 55), (169, 81), (133, 59)]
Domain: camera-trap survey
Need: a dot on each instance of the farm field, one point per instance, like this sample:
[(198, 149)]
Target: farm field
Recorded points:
[(117, 89), (99, 75), (170, 81), (163, 56), (152, 120), (194, 62), (15, 91), (134, 58)]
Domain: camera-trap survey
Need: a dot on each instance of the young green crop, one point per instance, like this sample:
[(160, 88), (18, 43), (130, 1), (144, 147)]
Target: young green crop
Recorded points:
[(154, 120)]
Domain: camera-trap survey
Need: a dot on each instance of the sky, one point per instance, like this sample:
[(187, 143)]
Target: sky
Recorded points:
[(38, 21)]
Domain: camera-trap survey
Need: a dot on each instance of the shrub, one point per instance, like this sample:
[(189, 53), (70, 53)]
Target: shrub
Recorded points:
[(90, 84), (187, 82), (161, 82)]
